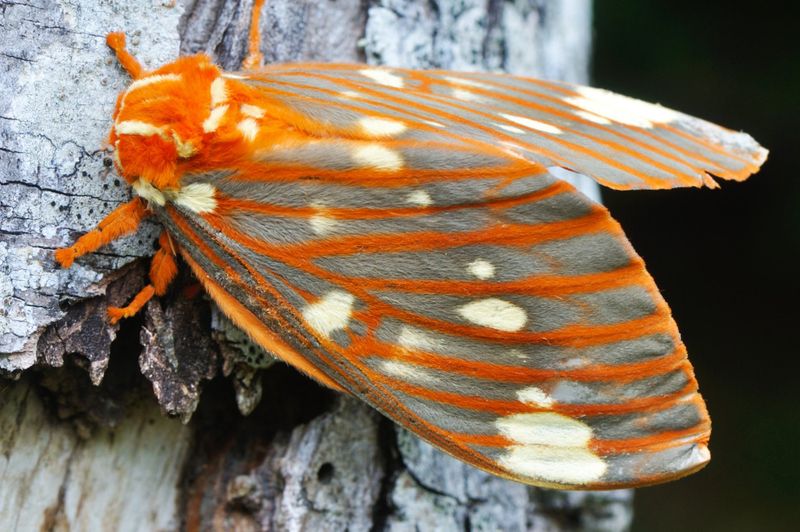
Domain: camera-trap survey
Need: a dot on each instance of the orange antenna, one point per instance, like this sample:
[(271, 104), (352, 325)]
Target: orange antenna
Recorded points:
[(254, 57), (116, 41)]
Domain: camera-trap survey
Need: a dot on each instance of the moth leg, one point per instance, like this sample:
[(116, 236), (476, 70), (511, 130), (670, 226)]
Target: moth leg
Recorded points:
[(121, 221), (116, 41), (254, 58), (163, 270)]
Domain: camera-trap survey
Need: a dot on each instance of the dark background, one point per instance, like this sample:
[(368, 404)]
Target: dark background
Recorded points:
[(726, 260)]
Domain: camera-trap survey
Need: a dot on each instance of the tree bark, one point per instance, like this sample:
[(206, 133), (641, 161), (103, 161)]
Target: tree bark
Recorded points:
[(85, 442)]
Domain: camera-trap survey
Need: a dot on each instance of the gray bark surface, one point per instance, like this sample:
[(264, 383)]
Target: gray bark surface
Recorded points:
[(91, 414)]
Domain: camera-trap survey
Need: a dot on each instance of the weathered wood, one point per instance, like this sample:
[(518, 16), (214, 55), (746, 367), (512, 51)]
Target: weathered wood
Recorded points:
[(84, 446)]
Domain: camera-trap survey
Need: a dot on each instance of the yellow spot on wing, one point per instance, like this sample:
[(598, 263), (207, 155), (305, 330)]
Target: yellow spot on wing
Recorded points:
[(620, 108), (563, 465), (533, 395), (332, 312), (494, 313), (381, 127), (197, 197), (383, 77), (482, 269), (420, 197), (377, 156), (533, 124)]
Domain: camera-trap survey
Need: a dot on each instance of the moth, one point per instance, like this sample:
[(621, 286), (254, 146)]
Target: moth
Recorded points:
[(406, 237)]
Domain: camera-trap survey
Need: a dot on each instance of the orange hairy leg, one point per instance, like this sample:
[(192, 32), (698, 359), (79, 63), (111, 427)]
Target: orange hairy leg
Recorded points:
[(254, 57), (163, 270), (123, 220)]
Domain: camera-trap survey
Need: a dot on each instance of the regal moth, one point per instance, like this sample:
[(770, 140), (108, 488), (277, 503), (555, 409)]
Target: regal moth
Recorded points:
[(407, 237)]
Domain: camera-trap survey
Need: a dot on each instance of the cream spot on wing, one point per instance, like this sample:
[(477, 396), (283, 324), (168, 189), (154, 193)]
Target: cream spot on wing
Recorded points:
[(494, 313), (381, 127), (621, 109), (349, 94), (384, 77), (468, 82), (562, 465), (322, 224), (248, 128), (377, 156), (252, 111), (533, 124), (545, 428), (533, 395), (219, 94), (228, 75), (434, 124), (404, 371), (482, 269), (420, 197), (411, 338), (212, 122), (330, 313), (197, 197), (147, 191), (591, 117), (465, 95), (136, 127), (510, 129)]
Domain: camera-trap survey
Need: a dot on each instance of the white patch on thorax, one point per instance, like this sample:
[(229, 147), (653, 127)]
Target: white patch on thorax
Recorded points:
[(621, 109), (419, 197), (248, 128), (137, 127), (533, 124), (330, 313), (147, 191), (149, 80), (212, 122), (383, 77), (219, 93), (482, 269), (494, 313), (377, 156), (533, 395), (197, 197), (381, 127), (252, 111)]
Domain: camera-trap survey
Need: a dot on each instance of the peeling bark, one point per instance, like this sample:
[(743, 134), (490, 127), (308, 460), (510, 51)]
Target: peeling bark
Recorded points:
[(84, 446)]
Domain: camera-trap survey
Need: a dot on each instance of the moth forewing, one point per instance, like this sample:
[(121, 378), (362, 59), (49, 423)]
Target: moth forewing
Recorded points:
[(397, 234)]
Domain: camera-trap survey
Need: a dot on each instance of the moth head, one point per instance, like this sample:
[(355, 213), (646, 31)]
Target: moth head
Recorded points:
[(158, 120)]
